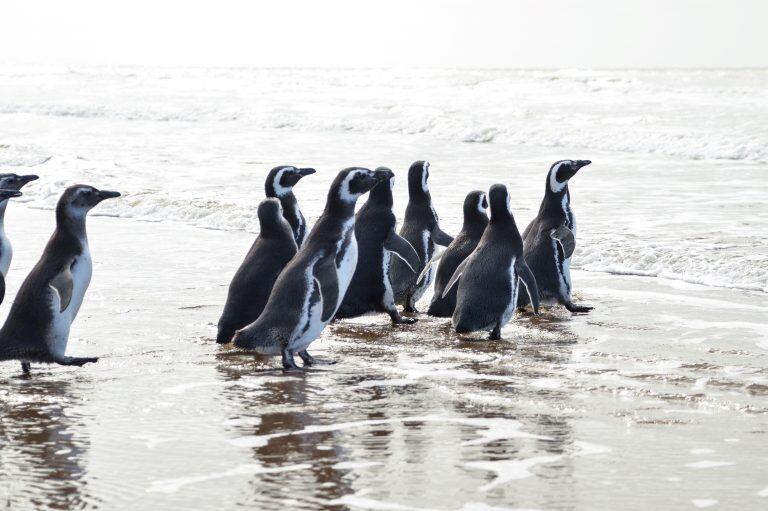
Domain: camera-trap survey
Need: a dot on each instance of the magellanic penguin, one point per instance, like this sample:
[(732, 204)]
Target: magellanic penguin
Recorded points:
[(37, 327), (279, 184), (253, 281), (550, 238), (421, 229), (475, 222), (310, 288), (10, 184), (377, 241), (488, 280)]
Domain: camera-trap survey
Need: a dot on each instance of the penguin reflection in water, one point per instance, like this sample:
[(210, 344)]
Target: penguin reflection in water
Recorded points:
[(488, 280), (550, 238), (37, 327), (371, 289), (253, 281), (421, 228), (309, 290)]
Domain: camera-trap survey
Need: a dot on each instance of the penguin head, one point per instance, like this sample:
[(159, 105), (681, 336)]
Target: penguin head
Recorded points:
[(475, 202), (383, 189), (353, 182), (418, 174), (500, 202), (77, 200), (15, 181), (270, 211), (281, 180), (563, 170)]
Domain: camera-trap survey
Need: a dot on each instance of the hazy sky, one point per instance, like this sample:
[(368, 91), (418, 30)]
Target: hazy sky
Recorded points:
[(445, 33)]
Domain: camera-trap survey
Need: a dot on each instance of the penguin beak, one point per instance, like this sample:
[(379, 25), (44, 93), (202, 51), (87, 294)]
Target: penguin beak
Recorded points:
[(306, 172), (7, 194), (26, 179), (577, 164), (107, 194)]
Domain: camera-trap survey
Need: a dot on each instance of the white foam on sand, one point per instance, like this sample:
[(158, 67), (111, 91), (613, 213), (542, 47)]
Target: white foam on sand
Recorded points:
[(351, 465), (509, 470), (763, 492), (702, 503), (174, 485)]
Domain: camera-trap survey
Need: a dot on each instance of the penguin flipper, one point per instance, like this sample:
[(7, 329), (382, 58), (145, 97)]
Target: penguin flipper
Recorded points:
[(325, 273), (402, 249), (525, 275), (440, 237), (63, 285), (456, 274), (564, 236), (2, 287)]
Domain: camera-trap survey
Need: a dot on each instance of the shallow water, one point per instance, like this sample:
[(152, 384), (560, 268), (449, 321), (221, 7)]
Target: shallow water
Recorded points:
[(599, 411), (657, 399)]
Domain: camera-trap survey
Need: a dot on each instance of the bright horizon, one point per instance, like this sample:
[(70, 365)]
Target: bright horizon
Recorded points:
[(547, 34)]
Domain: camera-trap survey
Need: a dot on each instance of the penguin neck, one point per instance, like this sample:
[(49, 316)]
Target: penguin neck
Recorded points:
[(3, 205), (381, 195), (272, 228), (338, 208), (554, 203), (474, 223), (72, 224)]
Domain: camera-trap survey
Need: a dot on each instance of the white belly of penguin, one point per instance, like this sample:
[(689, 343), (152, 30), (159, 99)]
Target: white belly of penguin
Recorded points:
[(509, 311), (420, 290), (62, 320), (311, 324), (389, 296), (6, 253), (564, 276)]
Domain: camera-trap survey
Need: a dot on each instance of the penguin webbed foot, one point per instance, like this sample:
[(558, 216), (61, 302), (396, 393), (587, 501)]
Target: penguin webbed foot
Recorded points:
[(25, 368), (397, 319), (289, 365), (76, 361), (495, 334), (576, 309), (310, 361)]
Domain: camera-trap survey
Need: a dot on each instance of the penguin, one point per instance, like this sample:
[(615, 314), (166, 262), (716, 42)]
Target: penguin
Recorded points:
[(279, 184), (489, 278), (377, 241), (253, 281), (421, 229), (309, 290), (10, 184), (550, 239), (475, 222), (37, 327)]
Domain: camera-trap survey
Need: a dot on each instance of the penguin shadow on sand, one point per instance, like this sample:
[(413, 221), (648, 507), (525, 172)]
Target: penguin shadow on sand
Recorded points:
[(281, 406), (47, 448)]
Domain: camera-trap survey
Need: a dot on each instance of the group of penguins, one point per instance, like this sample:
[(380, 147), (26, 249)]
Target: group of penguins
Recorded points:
[(293, 283)]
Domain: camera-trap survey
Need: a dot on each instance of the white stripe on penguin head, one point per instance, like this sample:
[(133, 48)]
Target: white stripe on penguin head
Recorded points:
[(424, 175), (480, 207), (555, 185), (281, 190), (345, 193)]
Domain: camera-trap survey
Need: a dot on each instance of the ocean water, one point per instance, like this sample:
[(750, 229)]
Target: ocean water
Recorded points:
[(658, 399), (677, 189)]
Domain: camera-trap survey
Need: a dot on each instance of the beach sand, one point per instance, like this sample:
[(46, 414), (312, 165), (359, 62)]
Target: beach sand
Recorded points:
[(657, 399)]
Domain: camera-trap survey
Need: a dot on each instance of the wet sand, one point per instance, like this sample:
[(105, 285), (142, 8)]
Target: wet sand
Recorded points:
[(657, 399)]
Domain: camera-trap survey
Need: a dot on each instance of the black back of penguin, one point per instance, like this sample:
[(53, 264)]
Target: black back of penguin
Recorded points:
[(373, 223), (252, 284), (475, 222), (486, 287), (279, 184)]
